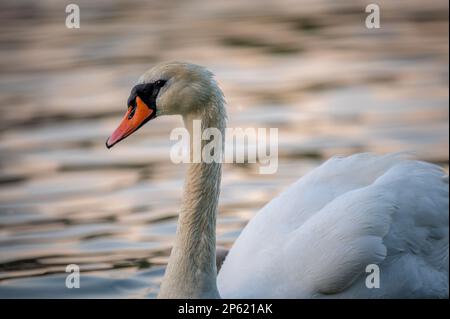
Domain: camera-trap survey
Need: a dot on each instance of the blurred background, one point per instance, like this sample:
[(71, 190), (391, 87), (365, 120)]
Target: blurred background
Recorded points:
[(309, 67)]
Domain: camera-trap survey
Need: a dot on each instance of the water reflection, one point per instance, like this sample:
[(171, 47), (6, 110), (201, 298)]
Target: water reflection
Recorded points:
[(310, 68)]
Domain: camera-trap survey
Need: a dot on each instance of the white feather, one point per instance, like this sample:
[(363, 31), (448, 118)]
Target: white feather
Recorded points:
[(316, 238)]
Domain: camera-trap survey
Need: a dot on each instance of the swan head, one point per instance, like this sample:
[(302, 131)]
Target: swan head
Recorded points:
[(166, 89)]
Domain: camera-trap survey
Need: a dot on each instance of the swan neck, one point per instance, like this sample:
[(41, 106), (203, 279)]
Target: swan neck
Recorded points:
[(191, 271)]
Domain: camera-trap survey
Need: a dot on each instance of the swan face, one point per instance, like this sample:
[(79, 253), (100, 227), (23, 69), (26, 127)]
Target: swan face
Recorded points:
[(167, 89)]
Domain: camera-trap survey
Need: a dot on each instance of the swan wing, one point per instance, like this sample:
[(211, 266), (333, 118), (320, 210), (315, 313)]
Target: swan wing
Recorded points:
[(317, 238)]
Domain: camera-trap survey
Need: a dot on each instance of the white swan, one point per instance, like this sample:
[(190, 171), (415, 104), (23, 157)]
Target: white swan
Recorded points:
[(316, 239)]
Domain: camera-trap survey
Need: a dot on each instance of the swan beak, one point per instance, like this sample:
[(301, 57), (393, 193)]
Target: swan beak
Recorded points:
[(131, 122)]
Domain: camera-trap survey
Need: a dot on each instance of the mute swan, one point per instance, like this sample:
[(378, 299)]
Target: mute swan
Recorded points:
[(316, 239)]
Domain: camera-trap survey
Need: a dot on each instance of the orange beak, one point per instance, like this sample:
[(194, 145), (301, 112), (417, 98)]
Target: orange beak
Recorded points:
[(131, 122)]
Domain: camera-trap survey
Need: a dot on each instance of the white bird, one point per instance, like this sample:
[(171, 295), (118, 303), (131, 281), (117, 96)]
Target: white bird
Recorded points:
[(364, 226)]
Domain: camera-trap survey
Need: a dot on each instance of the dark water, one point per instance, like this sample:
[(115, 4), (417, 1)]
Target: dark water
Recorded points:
[(310, 68)]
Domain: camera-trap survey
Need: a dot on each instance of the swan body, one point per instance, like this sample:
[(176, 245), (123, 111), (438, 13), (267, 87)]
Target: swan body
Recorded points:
[(316, 239)]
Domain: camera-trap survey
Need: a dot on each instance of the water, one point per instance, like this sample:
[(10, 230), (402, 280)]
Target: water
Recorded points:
[(310, 68)]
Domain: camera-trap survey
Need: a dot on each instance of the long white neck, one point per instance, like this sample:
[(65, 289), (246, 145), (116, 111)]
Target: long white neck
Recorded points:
[(191, 271)]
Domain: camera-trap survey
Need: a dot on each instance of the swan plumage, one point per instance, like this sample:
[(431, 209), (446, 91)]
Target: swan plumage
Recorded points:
[(314, 240)]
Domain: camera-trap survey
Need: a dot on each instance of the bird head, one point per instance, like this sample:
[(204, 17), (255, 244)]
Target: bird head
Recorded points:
[(166, 89)]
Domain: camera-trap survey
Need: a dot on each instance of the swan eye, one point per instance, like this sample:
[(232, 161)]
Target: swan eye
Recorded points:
[(160, 83)]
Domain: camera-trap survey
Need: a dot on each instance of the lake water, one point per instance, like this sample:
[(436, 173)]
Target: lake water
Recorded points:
[(310, 68)]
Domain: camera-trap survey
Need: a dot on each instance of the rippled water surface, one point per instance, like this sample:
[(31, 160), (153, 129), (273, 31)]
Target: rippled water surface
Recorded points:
[(310, 68)]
